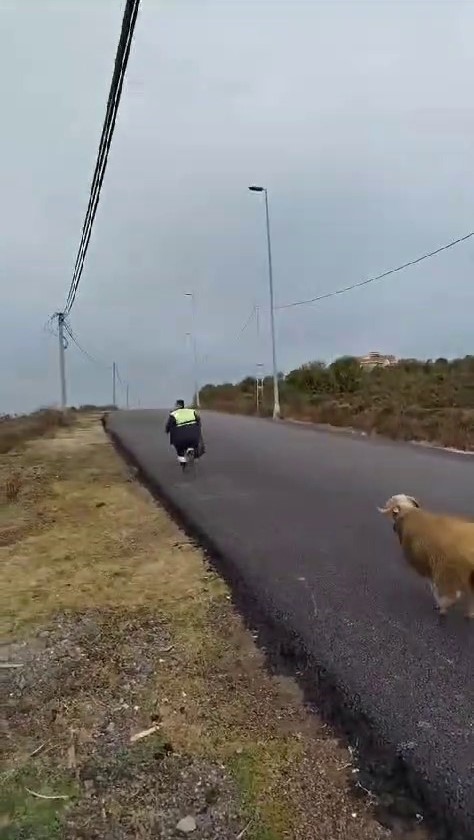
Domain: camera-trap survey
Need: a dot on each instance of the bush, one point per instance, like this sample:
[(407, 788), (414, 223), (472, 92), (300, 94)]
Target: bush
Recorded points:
[(412, 400)]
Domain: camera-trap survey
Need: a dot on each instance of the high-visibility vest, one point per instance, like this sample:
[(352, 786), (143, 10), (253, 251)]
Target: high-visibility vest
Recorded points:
[(184, 416)]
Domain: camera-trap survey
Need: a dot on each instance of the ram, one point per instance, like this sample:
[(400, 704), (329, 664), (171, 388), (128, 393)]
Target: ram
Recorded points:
[(439, 547)]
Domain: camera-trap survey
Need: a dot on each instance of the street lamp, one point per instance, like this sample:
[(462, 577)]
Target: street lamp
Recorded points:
[(276, 390), (193, 340)]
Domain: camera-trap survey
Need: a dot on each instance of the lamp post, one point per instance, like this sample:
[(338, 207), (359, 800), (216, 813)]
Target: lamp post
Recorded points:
[(276, 390)]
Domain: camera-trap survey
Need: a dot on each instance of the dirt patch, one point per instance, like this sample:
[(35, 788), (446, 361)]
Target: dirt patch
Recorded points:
[(140, 700)]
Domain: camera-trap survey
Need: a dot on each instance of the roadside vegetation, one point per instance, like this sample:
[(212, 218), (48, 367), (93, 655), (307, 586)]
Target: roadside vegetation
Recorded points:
[(137, 704), (16, 430), (413, 400)]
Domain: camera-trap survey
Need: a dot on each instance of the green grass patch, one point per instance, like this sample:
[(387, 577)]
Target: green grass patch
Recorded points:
[(26, 817), (259, 774)]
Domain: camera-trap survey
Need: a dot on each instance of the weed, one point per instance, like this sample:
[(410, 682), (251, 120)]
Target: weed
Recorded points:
[(13, 486)]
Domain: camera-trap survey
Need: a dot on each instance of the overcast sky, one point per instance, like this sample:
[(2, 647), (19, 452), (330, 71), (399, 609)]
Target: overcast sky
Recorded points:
[(357, 116)]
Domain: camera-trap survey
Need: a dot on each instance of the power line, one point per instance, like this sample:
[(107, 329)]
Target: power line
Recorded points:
[(378, 276), (119, 378), (238, 334), (121, 61), (124, 385), (99, 363), (247, 322), (49, 326)]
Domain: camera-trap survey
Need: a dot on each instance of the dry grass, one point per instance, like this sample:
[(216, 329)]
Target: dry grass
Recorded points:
[(15, 431), (444, 427), (119, 625)]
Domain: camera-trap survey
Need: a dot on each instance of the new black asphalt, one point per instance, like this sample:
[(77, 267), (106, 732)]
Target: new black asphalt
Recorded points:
[(294, 509)]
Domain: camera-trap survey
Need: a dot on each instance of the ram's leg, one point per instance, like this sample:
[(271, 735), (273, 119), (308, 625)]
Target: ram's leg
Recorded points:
[(444, 594)]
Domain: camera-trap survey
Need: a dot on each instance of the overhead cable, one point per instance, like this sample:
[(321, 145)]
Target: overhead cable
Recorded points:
[(121, 61), (377, 277), (93, 359)]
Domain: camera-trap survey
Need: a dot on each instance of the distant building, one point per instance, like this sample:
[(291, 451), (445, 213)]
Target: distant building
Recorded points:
[(374, 359)]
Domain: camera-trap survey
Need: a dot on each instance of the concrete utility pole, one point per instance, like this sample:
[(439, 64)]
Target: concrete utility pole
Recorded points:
[(114, 387), (276, 389), (62, 361)]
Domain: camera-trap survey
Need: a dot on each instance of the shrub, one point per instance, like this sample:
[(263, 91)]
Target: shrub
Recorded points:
[(414, 399)]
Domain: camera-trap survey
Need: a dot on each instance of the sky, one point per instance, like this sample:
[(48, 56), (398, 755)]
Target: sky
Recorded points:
[(356, 115)]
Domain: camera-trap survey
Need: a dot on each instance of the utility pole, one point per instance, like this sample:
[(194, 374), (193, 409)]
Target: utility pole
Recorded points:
[(114, 388), (258, 374), (276, 389), (62, 362), (128, 401)]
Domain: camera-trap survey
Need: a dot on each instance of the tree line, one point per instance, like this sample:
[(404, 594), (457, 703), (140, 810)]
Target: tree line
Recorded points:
[(430, 399)]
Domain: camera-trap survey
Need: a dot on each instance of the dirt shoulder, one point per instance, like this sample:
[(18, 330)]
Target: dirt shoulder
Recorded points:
[(137, 705)]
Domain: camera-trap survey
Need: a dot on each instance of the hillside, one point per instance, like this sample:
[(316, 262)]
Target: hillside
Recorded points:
[(413, 400)]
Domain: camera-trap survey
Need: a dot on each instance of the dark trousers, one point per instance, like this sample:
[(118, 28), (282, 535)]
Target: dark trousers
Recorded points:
[(198, 446), (185, 442), (181, 448)]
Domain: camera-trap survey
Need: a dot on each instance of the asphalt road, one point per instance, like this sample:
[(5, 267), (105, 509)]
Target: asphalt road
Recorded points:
[(295, 510)]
